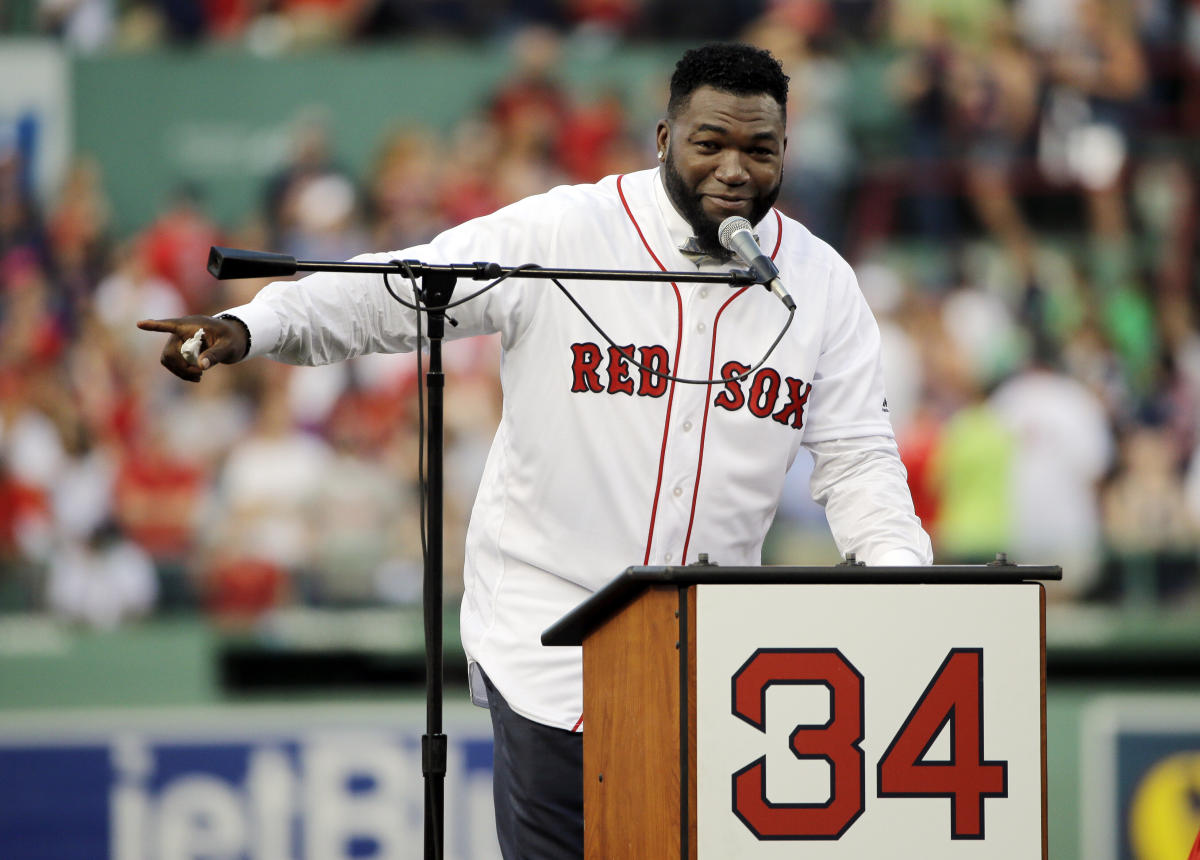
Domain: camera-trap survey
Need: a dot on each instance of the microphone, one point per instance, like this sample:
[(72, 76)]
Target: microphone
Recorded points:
[(734, 235), (226, 263)]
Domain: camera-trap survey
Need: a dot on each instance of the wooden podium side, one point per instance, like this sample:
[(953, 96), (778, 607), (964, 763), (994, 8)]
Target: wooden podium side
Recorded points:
[(633, 764)]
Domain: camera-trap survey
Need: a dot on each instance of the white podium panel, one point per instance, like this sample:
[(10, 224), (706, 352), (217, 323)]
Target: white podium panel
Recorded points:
[(837, 722)]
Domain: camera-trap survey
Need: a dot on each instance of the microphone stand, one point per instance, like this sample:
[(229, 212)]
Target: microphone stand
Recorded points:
[(437, 286)]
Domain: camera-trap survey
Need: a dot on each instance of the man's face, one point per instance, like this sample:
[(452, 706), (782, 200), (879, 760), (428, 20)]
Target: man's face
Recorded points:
[(724, 156)]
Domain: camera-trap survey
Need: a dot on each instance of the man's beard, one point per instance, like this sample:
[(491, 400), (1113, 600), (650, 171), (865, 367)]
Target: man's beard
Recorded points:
[(689, 204)]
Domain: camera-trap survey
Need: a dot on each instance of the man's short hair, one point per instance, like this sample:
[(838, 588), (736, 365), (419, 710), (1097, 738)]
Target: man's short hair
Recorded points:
[(732, 68)]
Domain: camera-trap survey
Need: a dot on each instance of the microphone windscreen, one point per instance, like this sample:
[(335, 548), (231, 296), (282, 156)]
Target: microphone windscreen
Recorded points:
[(728, 227)]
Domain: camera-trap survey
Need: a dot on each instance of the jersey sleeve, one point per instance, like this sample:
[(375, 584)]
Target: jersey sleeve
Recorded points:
[(858, 477), (328, 317), (862, 485), (848, 398)]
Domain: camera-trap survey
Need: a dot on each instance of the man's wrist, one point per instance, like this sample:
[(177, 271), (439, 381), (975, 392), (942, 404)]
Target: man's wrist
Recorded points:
[(245, 329)]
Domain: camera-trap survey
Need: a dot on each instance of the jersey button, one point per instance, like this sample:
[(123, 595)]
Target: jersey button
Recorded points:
[(687, 425), (704, 293), (678, 491), (667, 557), (701, 327)]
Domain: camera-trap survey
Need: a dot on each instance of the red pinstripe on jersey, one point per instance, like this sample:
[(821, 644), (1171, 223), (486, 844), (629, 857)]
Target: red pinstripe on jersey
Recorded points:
[(712, 358), (671, 391)]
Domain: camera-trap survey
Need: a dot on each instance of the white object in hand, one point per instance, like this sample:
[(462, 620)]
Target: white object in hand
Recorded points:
[(190, 348)]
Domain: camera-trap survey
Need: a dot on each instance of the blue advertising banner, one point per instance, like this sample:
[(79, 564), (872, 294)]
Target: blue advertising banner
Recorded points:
[(262, 783)]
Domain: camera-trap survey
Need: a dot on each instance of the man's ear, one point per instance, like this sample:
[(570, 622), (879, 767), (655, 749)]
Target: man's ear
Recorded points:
[(662, 137)]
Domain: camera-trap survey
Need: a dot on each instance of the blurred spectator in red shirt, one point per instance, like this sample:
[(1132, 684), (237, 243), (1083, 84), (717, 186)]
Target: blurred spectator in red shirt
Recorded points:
[(608, 16), (158, 496), (531, 105), (228, 19), (591, 143), (237, 589), (469, 190), (177, 246)]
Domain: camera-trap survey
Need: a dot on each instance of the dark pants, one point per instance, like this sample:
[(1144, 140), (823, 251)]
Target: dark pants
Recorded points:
[(537, 785)]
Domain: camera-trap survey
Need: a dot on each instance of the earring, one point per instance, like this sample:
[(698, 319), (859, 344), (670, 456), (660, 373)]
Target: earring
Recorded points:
[(660, 155)]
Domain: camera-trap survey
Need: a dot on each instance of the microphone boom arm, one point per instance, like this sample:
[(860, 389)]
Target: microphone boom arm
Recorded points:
[(227, 263)]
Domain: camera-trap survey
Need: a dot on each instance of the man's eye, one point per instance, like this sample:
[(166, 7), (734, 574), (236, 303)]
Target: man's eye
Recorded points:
[(706, 145)]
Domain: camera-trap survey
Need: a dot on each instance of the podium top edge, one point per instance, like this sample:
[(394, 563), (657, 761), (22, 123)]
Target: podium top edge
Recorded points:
[(622, 590)]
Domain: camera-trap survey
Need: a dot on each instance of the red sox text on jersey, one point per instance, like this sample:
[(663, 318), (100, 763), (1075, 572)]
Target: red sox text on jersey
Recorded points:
[(608, 369)]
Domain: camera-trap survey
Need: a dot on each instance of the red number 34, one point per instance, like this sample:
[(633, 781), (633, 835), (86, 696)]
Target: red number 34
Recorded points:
[(953, 699)]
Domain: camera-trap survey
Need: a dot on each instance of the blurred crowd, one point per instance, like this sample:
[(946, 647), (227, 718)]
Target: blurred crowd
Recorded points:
[(1014, 182), (272, 26)]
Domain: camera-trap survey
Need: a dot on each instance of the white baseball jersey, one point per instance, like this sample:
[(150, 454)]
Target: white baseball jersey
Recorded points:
[(597, 465)]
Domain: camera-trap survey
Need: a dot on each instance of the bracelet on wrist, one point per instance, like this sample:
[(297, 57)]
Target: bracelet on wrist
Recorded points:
[(245, 328)]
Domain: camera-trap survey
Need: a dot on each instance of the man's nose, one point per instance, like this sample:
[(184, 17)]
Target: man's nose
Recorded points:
[(731, 169)]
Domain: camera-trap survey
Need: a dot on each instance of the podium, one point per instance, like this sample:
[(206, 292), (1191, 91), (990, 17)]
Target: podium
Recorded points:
[(831, 713)]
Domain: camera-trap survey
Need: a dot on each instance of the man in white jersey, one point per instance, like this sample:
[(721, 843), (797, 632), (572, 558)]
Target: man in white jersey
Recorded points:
[(639, 469)]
